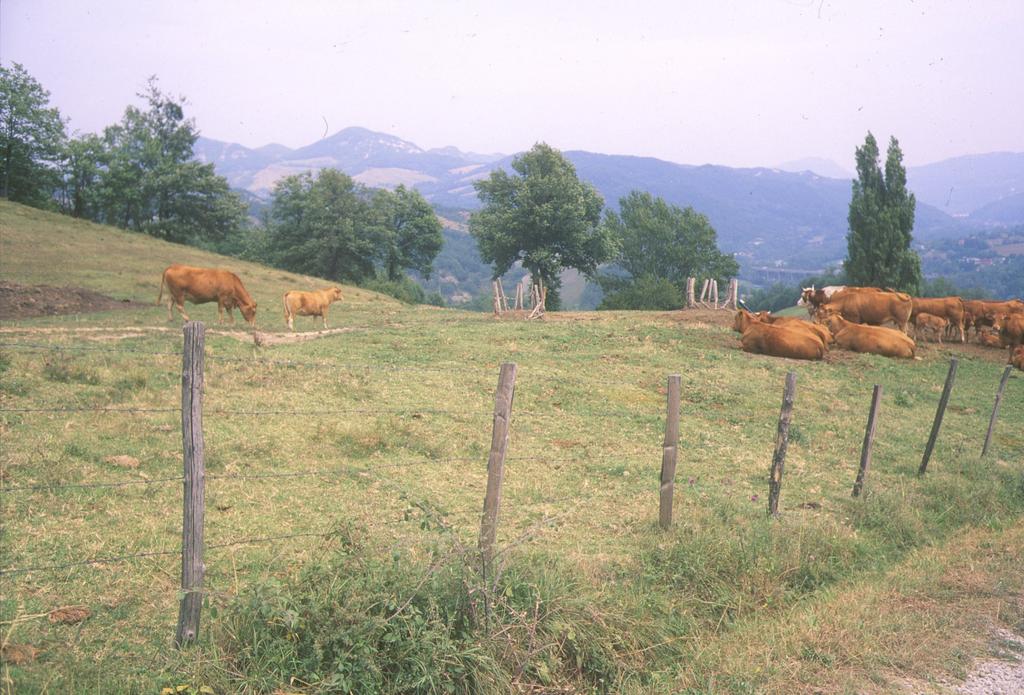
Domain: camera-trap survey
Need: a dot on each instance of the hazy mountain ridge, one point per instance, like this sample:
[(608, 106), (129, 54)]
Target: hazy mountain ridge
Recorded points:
[(764, 215)]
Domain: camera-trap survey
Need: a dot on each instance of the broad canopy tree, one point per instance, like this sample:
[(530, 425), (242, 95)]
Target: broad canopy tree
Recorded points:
[(330, 226), (32, 138), (881, 220), (660, 246), (150, 181), (542, 216)]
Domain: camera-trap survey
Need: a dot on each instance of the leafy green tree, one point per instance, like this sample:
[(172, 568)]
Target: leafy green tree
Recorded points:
[(31, 138), (881, 220), (149, 180), (658, 240), (544, 217), (80, 174), (322, 226), (410, 230)]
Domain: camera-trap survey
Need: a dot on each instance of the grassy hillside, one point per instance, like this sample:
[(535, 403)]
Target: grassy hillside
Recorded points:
[(362, 455)]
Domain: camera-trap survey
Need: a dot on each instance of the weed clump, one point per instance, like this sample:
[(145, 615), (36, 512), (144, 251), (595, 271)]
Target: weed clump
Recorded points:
[(356, 622)]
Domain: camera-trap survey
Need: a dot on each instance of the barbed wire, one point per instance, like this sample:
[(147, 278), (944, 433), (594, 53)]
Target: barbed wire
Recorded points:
[(65, 486), (83, 348), (157, 553), (92, 409)]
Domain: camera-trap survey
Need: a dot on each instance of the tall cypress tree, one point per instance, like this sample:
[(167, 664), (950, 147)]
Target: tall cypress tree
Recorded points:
[(881, 221)]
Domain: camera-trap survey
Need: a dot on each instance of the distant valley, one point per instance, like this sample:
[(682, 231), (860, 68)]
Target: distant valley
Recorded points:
[(767, 217)]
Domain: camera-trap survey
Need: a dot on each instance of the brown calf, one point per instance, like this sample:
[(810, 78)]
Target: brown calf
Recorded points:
[(315, 303)]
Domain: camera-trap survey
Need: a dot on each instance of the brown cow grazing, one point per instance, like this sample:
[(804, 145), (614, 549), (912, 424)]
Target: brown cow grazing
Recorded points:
[(1011, 331), (743, 319), (873, 339), (1017, 358), (871, 306), (929, 322), (316, 303), (781, 341), (949, 308), (201, 285)]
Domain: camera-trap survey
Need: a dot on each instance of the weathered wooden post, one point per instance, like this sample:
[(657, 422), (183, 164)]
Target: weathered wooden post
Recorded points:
[(734, 293), (691, 300), (781, 443), (869, 440), (943, 401), (995, 409), (704, 292), (714, 293), (192, 568), (669, 453), (496, 462)]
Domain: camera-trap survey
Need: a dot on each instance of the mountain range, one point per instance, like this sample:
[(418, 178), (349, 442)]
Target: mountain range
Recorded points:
[(764, 215)]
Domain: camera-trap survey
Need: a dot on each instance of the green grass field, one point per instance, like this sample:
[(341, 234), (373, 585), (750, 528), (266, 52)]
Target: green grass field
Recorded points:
[(374, 441)]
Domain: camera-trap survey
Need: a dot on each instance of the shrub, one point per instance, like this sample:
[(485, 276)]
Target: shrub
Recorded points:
[(650, 293), (358, 622)]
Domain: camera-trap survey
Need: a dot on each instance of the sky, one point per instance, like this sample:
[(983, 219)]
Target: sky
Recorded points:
[(737, 83)]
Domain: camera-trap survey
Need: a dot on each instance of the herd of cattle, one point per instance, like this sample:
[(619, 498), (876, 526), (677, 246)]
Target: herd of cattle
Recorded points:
[(202, 285), (853, 318), (850, 317)]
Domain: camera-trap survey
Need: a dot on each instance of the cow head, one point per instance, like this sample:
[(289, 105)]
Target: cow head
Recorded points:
[(335, 294), (249, 313)]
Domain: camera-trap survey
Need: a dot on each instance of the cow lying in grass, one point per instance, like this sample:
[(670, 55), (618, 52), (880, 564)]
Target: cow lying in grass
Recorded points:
[(876, 340), (1017, 358), (782, 340), (314, 303)]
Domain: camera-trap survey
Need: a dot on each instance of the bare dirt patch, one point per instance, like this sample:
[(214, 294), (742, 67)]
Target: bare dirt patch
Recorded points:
[(26, 301)]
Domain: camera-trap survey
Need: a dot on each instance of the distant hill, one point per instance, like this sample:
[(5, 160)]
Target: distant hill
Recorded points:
[(765, 216), (819, 166), (962, 185)]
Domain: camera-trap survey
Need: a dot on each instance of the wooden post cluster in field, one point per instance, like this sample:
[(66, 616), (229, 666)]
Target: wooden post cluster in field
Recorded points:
[(519, 308), (781, 443), (192, 568), (669, 453), (496, 462), (709, 294)]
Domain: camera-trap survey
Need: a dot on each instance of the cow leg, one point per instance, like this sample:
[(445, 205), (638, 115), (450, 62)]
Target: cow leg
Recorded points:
[(181, 310), (231, 316), (324, 317), (290, 318)]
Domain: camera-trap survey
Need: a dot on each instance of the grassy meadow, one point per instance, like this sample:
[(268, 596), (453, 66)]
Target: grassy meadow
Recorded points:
[(368, 448)]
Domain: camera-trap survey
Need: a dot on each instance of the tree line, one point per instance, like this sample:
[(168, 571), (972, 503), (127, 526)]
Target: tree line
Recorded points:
[(141, 174)]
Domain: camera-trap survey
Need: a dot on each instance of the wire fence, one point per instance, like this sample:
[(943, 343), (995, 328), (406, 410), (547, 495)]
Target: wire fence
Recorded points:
[(570, 503)]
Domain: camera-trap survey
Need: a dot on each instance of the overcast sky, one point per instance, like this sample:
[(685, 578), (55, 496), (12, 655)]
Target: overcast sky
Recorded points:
[(751, 83)]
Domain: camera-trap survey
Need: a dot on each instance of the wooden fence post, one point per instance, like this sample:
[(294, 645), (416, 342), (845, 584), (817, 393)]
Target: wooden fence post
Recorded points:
[(496, 462), (950, 378), (669, 453), (995, 409), (781, 443), (691, 300), (192, 568), (869, 440)]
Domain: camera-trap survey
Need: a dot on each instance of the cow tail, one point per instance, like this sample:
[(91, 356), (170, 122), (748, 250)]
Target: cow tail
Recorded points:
[(284, 299), (160, 297)]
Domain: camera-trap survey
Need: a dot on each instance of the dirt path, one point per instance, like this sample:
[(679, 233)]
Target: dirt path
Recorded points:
[(106, 334)]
